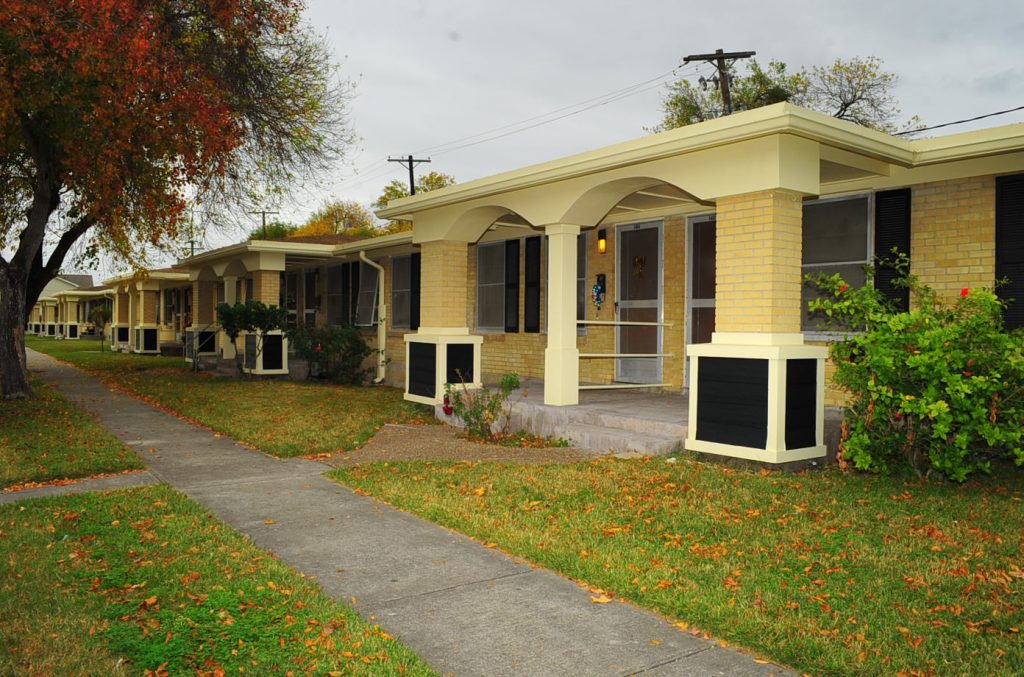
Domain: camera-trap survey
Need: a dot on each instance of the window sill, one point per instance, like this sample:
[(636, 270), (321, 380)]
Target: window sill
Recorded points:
[(829, 336)]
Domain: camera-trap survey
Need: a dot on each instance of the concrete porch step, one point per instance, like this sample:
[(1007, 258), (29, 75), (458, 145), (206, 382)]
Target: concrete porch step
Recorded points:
[(603, 428), (618, 441)]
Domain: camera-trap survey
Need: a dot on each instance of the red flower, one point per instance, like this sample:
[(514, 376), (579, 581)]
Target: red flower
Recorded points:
[(964, 292), (319, 348), (842, 288), (968, 374)]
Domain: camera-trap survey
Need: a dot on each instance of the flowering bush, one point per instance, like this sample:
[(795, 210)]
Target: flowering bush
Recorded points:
[(336, 353), (939, 387), (480, 408)]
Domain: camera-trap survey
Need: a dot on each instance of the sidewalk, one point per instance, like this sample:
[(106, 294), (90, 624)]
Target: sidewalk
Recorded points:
[(464, 608)]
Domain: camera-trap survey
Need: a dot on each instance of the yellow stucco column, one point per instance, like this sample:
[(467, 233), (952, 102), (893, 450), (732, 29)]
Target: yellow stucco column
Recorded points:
[(229, 298), (561, 357), (443, 300)]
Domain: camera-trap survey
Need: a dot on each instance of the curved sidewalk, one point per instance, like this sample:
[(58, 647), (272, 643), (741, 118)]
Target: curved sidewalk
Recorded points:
[(464, 608)]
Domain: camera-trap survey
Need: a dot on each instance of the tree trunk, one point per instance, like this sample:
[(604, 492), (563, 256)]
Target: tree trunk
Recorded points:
[(13, 372)]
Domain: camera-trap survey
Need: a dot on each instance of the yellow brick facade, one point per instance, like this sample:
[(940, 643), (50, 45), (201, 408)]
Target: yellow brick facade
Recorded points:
[(953, 234), (758, 263)]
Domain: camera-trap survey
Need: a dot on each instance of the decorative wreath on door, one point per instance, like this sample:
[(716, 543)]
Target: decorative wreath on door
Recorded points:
[(639, 263)]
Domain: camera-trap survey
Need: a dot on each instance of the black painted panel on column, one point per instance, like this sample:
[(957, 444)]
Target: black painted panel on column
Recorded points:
[(273, 351), (801, 403), (460, 363), (422, 369), (732, 401)]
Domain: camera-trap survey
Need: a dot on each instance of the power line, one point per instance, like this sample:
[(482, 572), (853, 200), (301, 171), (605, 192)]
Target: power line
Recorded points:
[(959, 122), (545, 118)]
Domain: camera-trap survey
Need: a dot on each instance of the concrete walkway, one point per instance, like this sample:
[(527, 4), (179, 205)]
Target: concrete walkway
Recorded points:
[(464, 608)]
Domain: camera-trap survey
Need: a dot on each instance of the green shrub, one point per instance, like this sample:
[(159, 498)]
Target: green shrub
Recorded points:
[(336, 353), (481, 408), (938, 387)]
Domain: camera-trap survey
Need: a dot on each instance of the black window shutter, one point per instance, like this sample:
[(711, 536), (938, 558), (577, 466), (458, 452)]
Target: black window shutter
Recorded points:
[(892, 229), (531, 302), (1010, 247), (512, 286), (414, 291)]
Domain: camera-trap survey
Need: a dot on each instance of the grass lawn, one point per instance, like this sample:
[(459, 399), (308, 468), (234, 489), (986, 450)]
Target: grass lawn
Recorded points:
[(144, 580), (49, 438), (830, 573), (281, 417)]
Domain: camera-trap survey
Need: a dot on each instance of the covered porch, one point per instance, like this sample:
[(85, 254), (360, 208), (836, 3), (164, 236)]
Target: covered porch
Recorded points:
[(671, 262)]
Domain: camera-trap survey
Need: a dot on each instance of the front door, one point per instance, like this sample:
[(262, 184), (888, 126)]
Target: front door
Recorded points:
[(638, 285)]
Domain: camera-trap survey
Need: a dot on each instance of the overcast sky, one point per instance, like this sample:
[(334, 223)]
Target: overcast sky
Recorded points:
[(430, 73)]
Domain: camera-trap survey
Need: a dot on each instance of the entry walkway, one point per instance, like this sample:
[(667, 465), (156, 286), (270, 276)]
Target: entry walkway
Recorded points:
[(464, 608)]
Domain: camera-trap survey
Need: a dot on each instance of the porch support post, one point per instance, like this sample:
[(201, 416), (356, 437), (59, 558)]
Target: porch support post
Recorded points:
[(444, 297), (229, 350), (561, 357), (757, 391), (442, 350), (266, 287)]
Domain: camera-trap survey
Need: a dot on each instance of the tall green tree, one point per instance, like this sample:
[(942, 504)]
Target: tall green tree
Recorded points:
[(339, 217), (686, 103), (397, 189), (275, 230), (856, 89), (115, 115)]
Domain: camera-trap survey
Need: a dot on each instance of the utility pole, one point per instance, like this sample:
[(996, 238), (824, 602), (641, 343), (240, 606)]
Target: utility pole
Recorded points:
[(718, 61), (263, 213), (409, 162)]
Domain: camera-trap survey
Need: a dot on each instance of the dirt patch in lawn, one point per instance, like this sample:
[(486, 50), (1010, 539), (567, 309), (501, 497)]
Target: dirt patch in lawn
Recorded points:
[(397, 442)]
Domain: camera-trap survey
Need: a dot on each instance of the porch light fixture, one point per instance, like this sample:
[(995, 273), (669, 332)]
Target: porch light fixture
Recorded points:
[(602, 241)]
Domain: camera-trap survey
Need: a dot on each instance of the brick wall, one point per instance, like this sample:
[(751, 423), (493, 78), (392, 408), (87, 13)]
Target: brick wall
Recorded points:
[(952, 234)]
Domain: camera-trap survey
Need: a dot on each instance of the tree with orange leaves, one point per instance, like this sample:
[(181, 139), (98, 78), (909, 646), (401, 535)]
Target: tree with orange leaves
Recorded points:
[(117, 114)]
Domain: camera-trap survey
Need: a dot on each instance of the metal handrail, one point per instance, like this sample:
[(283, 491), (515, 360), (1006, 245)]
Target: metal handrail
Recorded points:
[(617, 323)]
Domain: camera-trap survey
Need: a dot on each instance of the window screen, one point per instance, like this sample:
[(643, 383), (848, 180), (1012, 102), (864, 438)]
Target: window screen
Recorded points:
[(835, 240), (366, 303), (490, 286), (401, 291)]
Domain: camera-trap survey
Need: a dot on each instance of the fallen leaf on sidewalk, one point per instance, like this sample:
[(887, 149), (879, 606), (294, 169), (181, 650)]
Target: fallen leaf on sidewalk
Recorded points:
[(270, 521), (600, 599)]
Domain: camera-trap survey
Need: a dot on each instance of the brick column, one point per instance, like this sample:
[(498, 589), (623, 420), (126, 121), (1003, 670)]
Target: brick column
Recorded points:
[(202, 303), (758, 259), (266, 287), (757, 391), (443, 296)]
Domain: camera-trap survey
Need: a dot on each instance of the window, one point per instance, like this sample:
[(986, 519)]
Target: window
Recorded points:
[(1010, 247), (366, 301), (342, 288), (836, 239), (490, 286), (169, 295), (405, 292)]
